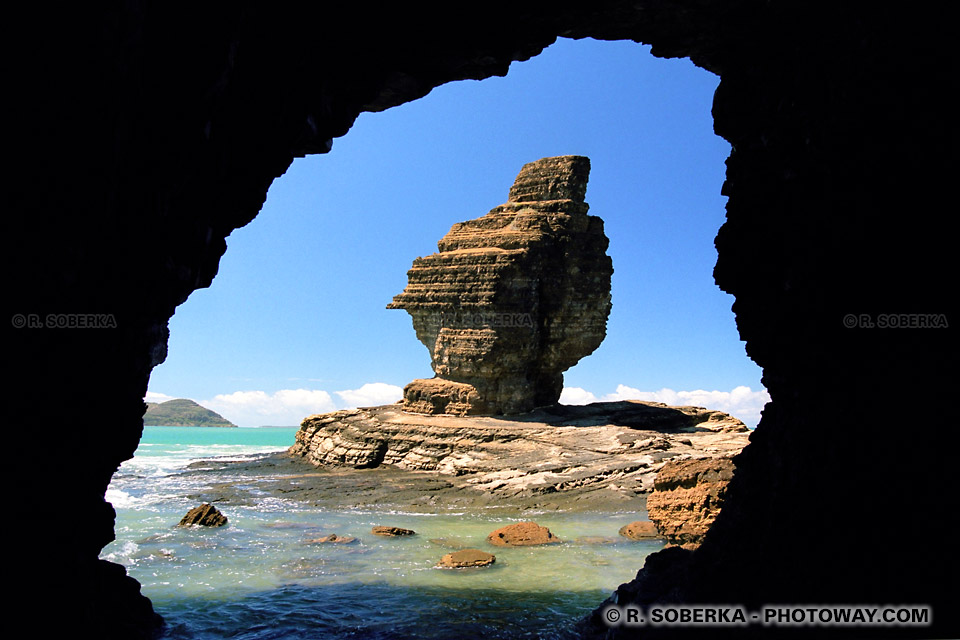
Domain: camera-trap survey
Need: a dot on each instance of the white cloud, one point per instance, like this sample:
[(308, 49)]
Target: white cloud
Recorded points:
[(370, 395), (287, 407), (742, 402), (576, 395), (156, 397)]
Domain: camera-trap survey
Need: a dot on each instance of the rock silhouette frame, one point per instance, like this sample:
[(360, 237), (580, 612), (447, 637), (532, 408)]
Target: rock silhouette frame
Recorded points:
[(836, 179)]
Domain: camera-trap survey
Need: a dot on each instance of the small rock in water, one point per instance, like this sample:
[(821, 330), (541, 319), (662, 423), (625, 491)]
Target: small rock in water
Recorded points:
[(522, 534), (640, 530), (466, 558), (332, 539), (206, 515), (392, 532)]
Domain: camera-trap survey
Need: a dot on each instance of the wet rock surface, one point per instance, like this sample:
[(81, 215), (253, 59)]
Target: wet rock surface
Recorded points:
[(522, 534), (640, 530), (391, 532), (205, 515), (466, 558), (599, 456)]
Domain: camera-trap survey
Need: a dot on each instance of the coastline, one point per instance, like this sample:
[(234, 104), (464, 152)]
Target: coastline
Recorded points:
[(593, 458)]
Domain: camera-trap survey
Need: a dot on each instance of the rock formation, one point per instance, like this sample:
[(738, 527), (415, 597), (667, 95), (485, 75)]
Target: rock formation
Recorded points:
[(522, 534), (609, 451), (640, 530), (392, 532), (466, 558), (687, 497), (512, 299), (205, 515)]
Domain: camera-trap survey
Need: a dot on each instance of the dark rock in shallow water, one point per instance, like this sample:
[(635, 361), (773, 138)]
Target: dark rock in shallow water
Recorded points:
[(392, 532), (467, 558), (522, 534), (206, 515)]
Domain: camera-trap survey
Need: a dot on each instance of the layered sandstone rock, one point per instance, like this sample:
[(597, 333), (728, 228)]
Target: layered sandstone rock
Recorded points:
[(606, 452), (687, 496), (512, 299)]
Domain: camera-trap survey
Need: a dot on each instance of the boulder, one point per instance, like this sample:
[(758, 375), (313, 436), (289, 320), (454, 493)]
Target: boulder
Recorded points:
[(640, 530), (206, 515), (466, 558), (522, 534)]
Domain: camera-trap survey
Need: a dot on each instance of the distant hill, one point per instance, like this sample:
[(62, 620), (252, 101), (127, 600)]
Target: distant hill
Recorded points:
[(182, 413)]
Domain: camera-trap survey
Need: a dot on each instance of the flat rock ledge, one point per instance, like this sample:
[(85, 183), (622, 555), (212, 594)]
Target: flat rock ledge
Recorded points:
[(467, 558), (600, 456)]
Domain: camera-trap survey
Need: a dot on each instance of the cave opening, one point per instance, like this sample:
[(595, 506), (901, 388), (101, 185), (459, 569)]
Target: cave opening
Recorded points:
[(296, 312), (840, 164), (306, 281)]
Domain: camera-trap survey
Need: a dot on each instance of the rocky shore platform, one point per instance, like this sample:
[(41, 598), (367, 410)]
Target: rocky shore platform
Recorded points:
[(598, 457)]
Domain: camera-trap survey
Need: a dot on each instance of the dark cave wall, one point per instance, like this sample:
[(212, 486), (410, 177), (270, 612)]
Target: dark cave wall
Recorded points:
[(144, 133)]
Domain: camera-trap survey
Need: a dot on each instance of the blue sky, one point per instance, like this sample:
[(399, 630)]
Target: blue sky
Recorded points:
[(295, 322)]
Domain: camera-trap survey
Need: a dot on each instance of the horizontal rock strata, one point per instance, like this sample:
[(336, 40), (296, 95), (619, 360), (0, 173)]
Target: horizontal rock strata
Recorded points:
[(687, 498), (512, 299), (605, 450)]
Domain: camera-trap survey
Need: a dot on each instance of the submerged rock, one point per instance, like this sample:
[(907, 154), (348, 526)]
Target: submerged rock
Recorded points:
[(512, 299), (467, 558), (687, 496), (332, 539), (206, 515), (392, 532), (522, 534)]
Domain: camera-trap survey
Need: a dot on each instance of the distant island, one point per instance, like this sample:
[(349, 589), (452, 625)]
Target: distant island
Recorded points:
[(182, 413)]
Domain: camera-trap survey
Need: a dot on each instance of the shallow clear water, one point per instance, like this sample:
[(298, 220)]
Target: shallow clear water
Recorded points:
[(259, 578)]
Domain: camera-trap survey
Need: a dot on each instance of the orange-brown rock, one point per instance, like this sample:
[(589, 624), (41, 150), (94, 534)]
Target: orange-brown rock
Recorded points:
[(522, 534), (467, 558), (512, 299), (206, 515), (640, 530), (687, 496)]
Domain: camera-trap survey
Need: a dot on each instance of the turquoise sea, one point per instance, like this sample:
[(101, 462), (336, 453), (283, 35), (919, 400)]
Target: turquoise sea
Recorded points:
[(257, 578)]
